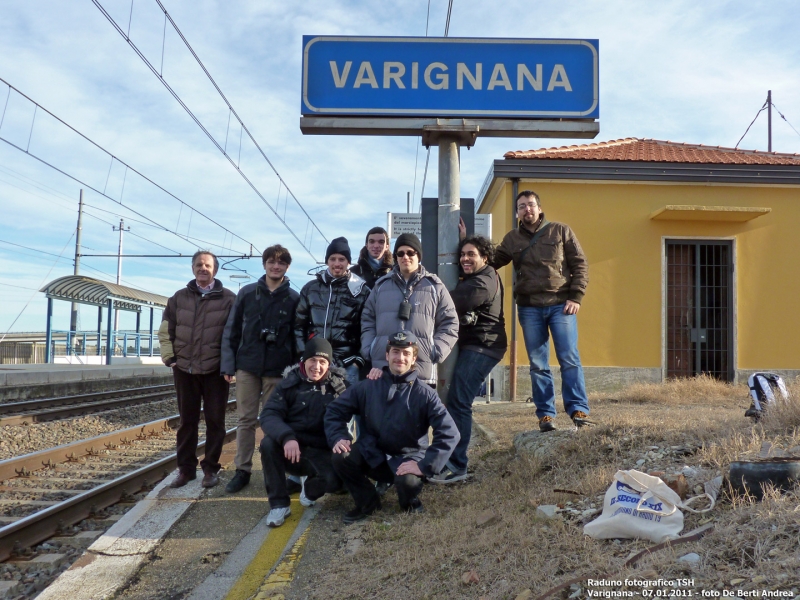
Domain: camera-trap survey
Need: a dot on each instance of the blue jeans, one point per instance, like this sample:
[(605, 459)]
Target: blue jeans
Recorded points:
[(535, 322), (470, 371)]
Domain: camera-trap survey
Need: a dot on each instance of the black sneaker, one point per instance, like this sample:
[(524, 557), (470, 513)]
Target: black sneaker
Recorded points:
[(753, 413), (448, 476), (355, 515), (581, 419), (382, 487), (546, 424), (415, 507), (292, 487), (240, 479)]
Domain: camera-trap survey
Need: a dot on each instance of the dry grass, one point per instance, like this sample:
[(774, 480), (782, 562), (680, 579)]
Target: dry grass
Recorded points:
[(425, 556)]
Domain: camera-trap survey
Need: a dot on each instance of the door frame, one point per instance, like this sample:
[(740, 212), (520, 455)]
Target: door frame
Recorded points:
[(734, 356)]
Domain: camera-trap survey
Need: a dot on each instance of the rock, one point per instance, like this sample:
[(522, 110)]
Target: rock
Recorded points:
[(543, 446), (546, 511), (640, 462), (486, 518), (688, 471), (469, 578), (758, 579), (677, 484), (737, 581), (525, 594), (576, 594), (766, 448), (691, 558), (794, 451), (353, 546)]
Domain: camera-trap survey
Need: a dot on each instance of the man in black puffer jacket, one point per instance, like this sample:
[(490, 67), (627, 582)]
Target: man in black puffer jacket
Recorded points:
[(330, 307), (375, 259), (293, 424), (392, 446)]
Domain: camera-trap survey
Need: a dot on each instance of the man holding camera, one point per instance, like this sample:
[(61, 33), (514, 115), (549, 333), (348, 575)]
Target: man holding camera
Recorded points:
[(257, 345)]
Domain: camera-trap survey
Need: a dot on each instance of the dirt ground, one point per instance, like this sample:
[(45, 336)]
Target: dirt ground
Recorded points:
[(484, 538)]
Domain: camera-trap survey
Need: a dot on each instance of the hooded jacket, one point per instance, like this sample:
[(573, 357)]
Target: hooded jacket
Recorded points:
[(433, 319), (258, 308), (396, 412), (191, 331), (331, 308), (365, 270), (481, 294), (554, 268), (296, 409)]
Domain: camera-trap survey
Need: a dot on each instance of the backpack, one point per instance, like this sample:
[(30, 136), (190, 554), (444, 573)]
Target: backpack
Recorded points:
[(762, 389)]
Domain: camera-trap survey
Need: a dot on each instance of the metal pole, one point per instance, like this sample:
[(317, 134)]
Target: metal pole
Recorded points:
[(48, 354), (109, 334), (769, 120), (151, 331), (449, 207), (73, 319), (408, 202), (138, 333), (119, 266), (512, 370), (99, 329)]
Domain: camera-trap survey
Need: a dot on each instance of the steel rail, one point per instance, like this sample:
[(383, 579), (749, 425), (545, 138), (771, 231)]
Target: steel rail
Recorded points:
[(43, 524)]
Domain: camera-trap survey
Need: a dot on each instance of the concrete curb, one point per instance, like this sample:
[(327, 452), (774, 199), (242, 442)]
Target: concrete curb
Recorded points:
[(110, 562)]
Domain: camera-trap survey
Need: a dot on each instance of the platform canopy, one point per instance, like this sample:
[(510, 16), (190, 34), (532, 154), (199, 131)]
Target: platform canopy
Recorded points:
[(87, 290)]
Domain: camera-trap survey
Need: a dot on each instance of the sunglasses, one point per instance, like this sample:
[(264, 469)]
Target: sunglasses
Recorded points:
[(404, 253)]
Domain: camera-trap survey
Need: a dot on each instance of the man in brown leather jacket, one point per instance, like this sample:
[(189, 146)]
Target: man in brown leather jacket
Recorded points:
[(552, 274), (191, 336)]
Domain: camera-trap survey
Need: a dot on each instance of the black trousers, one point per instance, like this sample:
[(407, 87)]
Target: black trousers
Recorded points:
[(210, 391), (354, 472), (315, 463)]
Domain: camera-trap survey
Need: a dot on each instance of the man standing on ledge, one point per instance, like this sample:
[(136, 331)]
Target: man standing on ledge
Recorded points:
[(552, 274), (190, 336), (375, 259)]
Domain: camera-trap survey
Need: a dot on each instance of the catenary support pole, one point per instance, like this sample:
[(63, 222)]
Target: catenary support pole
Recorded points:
[(151, 331), (512, 368), (119, 265), (99, 330), (769, 120), (449, 207), (48, 350), (110, 332), (73, 317)]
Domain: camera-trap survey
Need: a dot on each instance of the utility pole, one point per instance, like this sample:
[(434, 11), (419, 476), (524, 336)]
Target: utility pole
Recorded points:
[(73, 319), (769, 120), (408, 202), (121, 230)]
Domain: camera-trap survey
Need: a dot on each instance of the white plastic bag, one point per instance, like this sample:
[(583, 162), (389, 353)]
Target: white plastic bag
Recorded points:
[(638, 505)]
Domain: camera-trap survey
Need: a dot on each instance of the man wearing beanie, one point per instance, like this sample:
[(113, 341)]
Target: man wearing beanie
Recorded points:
[(413, 300), (330, 307), (293, 421), (376, 258)]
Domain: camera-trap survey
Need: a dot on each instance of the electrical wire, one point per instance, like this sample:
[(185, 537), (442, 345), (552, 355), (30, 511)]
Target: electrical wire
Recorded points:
[(208, 133), (762, 109), (785, 119)]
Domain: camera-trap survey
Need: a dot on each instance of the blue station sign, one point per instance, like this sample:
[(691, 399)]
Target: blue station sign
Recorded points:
[(450, 77)]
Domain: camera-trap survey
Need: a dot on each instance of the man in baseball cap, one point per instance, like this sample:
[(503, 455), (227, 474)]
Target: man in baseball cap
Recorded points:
[(396, 412)]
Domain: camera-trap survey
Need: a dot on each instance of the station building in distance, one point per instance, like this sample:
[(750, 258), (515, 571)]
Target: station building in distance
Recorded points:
[(693, 250)]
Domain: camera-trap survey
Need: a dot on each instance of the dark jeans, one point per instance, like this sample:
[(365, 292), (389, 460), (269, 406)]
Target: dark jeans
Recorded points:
[(354, 472), (470, 371), (211, 391), (315, 463)]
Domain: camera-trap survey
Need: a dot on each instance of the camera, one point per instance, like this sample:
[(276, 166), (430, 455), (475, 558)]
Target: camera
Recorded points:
[(469, 318), (404, 312), (268, 335)]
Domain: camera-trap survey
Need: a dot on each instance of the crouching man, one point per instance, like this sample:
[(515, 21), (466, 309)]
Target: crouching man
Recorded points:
[(294, 433), (396, 411)]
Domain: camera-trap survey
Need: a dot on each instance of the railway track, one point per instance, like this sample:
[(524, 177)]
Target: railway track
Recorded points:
[(45, 492), (50, 409)]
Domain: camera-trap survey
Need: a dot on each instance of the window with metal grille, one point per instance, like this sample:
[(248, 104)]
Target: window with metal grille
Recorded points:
[(699, 308)]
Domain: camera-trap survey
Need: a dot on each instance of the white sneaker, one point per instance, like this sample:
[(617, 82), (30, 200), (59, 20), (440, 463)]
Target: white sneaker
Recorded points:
[(277, 516), (305, 500)]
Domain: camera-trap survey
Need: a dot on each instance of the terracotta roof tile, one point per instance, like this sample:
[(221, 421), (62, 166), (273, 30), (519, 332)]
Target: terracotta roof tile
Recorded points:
[(648, 150)]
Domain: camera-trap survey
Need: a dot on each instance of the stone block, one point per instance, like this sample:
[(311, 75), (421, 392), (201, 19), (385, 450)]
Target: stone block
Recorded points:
[(41, 562), (486, 518), (9, 589), (83, 540), (547, 511)]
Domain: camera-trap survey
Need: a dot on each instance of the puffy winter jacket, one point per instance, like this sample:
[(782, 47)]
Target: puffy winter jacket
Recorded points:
[(433, 319), (481, 294), (332, 308), (396, 412), (364, 269), (553, 270), (257, 308), (194, 325), (296, 409)]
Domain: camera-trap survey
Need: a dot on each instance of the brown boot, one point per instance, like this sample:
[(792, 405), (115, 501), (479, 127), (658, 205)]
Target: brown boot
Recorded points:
[(210, 480), (546, 424), (182, 479)]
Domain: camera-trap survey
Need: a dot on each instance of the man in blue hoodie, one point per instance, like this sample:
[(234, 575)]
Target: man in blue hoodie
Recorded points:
[(396, 411)]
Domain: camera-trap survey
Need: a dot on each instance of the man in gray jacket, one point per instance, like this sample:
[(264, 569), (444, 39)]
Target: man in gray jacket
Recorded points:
[(409, 299)]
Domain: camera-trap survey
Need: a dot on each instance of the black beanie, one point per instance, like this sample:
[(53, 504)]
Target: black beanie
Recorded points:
[(318, 346), (338, 246), (408, 239)]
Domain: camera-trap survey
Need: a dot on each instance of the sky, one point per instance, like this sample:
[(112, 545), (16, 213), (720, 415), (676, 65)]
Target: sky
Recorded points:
[(685, 71)]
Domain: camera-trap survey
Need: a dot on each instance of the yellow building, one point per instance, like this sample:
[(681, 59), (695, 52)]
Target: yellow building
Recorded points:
[(693, 255)]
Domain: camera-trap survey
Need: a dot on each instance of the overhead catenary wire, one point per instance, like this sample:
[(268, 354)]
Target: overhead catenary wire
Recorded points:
[(244, 129), (785, 119), (760, 110)]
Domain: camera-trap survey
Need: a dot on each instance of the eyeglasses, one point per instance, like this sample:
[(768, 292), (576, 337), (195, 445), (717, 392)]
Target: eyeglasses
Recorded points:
[(404, 253), (524, 207)]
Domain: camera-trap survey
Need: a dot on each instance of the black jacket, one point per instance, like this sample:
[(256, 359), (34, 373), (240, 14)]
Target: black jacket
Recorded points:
[(481, 293), (296, 409), (332, 309), (363, 268), (395, 415), (257, 308)]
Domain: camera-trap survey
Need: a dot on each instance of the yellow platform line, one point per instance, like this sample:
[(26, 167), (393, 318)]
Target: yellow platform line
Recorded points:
[(253, 576)]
